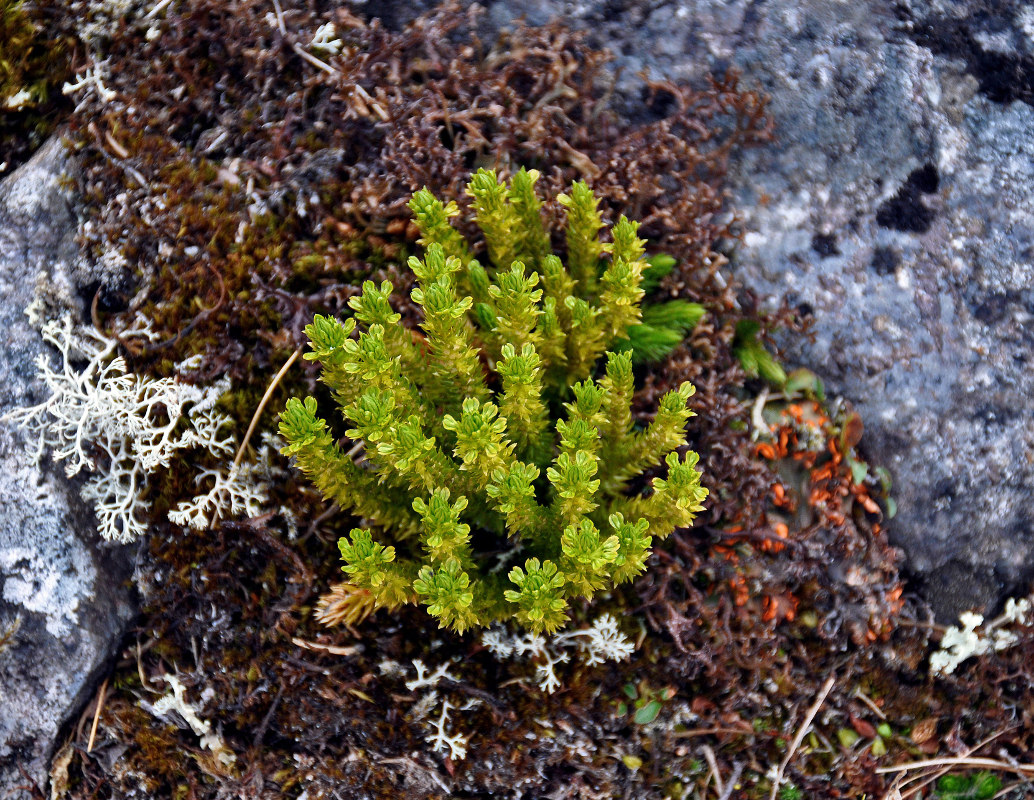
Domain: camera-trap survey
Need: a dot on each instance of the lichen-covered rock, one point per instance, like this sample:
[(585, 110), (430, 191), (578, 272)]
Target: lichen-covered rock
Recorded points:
[(68, 593), (897, 207), (900, 212)]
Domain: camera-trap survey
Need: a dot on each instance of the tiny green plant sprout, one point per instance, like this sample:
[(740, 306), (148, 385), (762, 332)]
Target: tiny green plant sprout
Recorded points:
[(492, 457)]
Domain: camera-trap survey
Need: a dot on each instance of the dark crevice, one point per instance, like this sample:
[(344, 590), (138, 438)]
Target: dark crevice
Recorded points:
[(906, 211), (885, 260), (1003, 77), (825, 244)]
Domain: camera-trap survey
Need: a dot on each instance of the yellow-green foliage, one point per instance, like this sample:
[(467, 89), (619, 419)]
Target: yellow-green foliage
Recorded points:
[(486, 439)]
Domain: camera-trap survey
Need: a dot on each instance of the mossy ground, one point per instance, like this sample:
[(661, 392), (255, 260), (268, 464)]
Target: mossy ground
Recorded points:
[(37, 49), (247, 189)]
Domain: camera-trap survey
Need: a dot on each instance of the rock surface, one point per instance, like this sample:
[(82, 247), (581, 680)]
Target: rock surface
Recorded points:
[(897, 206), (69, 594)]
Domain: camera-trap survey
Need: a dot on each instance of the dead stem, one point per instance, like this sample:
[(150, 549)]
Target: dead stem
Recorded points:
[(262, 405), (964, 762), (97, 715), (823, 692), (900, 783)]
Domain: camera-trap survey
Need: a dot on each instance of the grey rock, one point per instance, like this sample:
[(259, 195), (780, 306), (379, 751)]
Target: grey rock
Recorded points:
[(901, 216), (69, 593), (897, 206)]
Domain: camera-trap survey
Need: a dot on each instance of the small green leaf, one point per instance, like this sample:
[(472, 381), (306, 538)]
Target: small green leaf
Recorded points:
[(648, 713), (630, 691), (982, 786), (847, 737), (662, 262), (770, 369), (953, 784), (802, 381), (883, 729), (790, 791), (859, 470), (632, 762), (879, 747)]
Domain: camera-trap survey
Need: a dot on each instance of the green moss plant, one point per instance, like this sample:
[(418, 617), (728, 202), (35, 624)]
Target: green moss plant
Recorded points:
[(492, 456)]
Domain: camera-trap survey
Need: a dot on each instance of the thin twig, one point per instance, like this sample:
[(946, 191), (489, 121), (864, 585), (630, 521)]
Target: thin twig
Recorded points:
[(961, 761), (920, 781), (157, 9), (115, 145), (731, 783), (260, 732), (323, 65), (262, 405), (757, 421), (333, 649), (140, 666), (1007, 790), (712, 763), (364, 95), (97, 715), (859, 694), (688, 734), (280, 18), (801, 732), (331, 511)]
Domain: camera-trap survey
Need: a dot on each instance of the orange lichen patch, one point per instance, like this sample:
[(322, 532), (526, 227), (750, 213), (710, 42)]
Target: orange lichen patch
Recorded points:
[(779, 608), (815, 510), (740, 592), (766, 450), (728, 552), (895, 599), (770, 545)]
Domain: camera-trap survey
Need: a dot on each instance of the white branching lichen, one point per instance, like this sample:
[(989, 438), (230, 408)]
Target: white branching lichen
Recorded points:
[(603, 641), (326, 39), (442, 739), (18, 100), (425, 679), (234, 493), (118, 426), (177, 702), (975, 638), (545, 669), (92, 78), (241, 490)]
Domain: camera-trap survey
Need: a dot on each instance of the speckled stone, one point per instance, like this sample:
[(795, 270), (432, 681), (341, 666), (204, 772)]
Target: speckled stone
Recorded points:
[(69, 592)]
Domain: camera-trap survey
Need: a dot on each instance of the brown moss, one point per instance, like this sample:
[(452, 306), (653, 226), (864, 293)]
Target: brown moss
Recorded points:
[(37, 47), (275, 210)]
